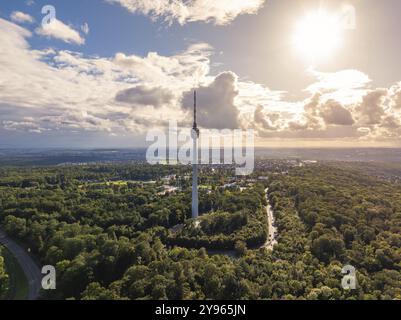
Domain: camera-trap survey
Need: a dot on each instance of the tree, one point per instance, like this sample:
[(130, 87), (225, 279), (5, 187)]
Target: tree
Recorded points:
[(95, 291), (4, 278), (15, 226), (240, 248), (326, 247)]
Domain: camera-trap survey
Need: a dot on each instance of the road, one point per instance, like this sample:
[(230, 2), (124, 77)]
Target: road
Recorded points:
[(271, 237), (29, 267)]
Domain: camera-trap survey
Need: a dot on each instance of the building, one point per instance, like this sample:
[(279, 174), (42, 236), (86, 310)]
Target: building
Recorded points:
[(195, 137)]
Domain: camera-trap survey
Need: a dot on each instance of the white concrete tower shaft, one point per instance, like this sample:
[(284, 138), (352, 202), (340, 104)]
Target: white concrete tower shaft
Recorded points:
[(195, 160)]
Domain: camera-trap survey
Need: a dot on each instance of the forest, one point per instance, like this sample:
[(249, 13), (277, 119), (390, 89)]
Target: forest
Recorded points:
[(108, 231), (4, 277), (241, 218)]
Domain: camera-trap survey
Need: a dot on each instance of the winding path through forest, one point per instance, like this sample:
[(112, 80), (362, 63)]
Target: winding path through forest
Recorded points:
[(272, 233), (29, 267)]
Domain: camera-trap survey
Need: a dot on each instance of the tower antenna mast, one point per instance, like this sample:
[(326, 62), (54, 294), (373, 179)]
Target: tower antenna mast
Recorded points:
[(195, 125)]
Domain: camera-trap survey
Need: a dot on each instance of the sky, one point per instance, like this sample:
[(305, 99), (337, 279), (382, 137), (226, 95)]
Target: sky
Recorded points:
[(102, 73)]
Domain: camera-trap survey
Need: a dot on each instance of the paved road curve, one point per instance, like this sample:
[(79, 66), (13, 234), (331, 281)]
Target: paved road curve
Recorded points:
[(29, 267)]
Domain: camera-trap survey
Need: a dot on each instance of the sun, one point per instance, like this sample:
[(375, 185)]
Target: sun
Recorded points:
[(318, 35)]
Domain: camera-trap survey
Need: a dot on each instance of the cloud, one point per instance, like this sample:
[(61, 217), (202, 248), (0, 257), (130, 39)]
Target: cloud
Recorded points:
[(345, 86), (59, 93), (371, 110), (344, 79), (144, 96), (219, 12), (313, 120), (178, 72), (391, 122), (374, 119), (267, 121), (216, 107), (319, 114), (320, 119), (334, 113), (66, 91), (27, 125), (395, 92), (59, 30), (20, 17), (85, 28)]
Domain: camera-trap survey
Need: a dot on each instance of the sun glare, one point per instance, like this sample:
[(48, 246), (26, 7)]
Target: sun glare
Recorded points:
[(318, 35)]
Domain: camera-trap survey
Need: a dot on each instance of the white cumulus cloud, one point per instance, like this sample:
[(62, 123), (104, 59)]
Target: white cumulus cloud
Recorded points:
[(60, 92), (21, 17), (220, 12), (59, 30)]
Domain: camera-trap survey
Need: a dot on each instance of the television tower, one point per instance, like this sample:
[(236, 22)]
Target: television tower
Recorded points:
[(195, 137)]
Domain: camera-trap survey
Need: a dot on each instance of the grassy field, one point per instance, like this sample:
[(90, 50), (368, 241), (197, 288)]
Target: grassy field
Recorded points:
[(18, 281)]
